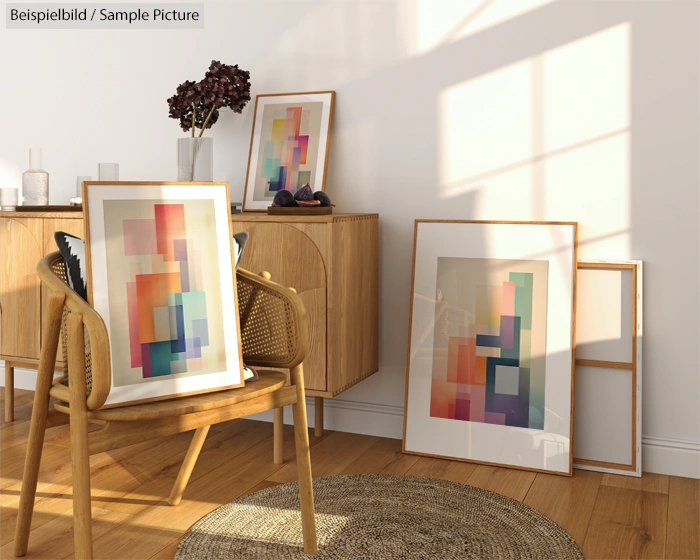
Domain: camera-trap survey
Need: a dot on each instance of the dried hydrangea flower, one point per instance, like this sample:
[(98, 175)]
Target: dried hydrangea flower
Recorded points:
[(197, 104)]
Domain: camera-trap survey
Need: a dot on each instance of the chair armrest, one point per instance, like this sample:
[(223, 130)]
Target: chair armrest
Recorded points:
[(274, 331), (51, 272)]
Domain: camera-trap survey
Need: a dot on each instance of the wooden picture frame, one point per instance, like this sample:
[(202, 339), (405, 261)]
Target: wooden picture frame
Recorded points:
[(490, 364), (161, 273), (608, 419), (289, 145)]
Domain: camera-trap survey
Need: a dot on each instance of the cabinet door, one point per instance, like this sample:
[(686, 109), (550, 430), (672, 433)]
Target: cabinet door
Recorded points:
[(72, 226), (289, 254), (20, 243)]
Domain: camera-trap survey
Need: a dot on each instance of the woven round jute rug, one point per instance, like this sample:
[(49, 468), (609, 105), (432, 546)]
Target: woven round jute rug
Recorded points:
[(379, 517)]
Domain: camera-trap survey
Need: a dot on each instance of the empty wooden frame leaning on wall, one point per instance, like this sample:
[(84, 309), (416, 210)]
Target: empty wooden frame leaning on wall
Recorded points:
[(608, 407)]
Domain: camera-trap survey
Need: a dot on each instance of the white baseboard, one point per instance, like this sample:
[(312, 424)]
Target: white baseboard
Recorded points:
[(676, 457), (659, 455)]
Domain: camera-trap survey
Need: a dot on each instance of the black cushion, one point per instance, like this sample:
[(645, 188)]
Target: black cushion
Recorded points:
[(241, 237), (73, 252)]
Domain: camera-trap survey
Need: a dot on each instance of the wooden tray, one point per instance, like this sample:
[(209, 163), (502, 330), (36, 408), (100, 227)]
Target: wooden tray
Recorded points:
[(299, 210), (28, 208)]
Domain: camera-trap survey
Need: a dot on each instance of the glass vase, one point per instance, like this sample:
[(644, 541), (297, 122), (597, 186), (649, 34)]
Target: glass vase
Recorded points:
[(35, 181), (195, 159)]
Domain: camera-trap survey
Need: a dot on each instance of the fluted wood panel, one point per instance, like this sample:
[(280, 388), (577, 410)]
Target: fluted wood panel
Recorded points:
[(353, 301), (20, 299), (315, 361)]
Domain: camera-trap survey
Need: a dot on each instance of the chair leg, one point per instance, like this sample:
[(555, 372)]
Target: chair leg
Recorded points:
[(80, 460), (278, 437), (37, 429), (183, 477), (301, 441), (9, 392), (80, 454), (37, 426)]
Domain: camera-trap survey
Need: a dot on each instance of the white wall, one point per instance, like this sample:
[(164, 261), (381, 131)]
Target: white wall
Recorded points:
[(512, 109)]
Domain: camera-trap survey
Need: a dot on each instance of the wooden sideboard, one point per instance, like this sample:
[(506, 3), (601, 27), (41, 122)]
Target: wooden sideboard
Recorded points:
[(330, 260)]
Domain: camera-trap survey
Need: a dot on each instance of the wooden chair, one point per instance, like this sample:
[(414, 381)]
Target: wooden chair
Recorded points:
[(274, 334)]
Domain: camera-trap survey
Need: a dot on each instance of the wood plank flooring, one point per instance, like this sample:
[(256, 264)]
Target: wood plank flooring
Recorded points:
[(610, 517)]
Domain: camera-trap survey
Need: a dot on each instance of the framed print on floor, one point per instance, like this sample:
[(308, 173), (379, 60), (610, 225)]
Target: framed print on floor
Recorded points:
[(162, 277), (289, 145), (490, 356)]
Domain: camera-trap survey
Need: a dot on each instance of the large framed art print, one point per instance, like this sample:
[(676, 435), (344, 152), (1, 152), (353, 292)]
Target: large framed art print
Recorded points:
[(289, 146), (161, 274), (491, 343)]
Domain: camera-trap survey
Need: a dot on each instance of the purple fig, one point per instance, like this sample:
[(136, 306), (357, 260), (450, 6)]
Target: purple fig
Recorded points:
[(304, 193), (323, 197), (283, 198)]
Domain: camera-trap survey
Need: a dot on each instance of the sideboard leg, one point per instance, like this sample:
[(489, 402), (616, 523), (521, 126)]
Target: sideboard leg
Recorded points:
[(278, 437), (318, 416), (9, 392)]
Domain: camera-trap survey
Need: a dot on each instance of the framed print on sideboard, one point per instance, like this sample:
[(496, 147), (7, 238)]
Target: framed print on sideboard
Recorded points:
[(289, 145), (161, 274), (491, 343)]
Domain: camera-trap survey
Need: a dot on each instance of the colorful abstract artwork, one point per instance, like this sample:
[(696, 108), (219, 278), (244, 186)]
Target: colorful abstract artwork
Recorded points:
[(488, 363), (167, 310), (163, 267), (291, 136), (286, 164), (161, 275), (490, 366)]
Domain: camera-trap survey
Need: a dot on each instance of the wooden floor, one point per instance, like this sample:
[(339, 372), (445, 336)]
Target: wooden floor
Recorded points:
[(609, 516)]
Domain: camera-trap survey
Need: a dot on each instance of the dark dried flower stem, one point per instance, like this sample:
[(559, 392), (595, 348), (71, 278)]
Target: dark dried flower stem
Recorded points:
[(204, 126)]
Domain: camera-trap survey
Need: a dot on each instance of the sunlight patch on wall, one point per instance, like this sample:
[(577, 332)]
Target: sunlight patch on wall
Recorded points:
[(547, 138), (591, 185), (431, 23), (496, 199), (485, 124), (586, 89)]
